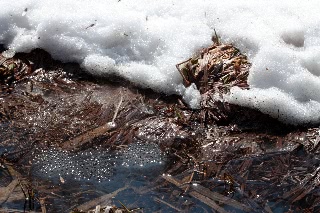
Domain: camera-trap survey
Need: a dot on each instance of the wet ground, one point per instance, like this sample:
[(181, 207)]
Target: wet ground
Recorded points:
[(70, 143)]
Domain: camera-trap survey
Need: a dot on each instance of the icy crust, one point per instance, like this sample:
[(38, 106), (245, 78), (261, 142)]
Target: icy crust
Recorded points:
[(143, 40)]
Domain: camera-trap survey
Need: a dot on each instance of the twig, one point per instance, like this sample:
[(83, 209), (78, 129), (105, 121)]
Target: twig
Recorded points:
[(221, 198), (93, 133)]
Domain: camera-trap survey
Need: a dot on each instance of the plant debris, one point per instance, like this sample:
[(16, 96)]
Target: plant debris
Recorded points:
[(216, 69), (220, 157), (12, 69)]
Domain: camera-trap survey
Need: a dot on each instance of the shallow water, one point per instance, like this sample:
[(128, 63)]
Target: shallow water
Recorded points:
[(134, 168), (137, 167)]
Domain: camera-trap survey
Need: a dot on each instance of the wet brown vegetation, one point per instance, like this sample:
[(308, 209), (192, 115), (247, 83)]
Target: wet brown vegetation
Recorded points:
[(227, 157)]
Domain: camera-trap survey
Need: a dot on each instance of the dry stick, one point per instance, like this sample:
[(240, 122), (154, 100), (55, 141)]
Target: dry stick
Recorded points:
[(196, 195), (6, 191), (98, 201), (126, 209), (267, 208), (11, 170), (209, 194), (168, 204), (221, 198), (172, 180), (89, 135), (189, 182), (43, 205)]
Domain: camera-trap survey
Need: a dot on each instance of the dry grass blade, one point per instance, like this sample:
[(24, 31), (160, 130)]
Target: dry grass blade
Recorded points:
[(11, 170)]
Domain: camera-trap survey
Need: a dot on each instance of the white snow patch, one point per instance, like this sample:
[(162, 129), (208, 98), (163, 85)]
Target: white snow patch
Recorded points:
[(143, 40)]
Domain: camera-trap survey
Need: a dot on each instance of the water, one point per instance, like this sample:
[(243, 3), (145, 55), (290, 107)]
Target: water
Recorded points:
[(93, 173), (95, 164)]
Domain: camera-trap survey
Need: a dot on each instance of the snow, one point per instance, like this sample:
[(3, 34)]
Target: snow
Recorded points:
[(142, 41)]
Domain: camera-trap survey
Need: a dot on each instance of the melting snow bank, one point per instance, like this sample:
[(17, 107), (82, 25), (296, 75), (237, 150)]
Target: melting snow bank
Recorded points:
[(284, 81), (143, 40)]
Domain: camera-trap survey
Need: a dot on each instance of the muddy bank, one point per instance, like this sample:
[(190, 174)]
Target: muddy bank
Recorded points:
[(192, 160)]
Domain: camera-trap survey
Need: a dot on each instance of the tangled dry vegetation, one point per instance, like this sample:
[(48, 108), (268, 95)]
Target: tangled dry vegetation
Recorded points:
[(226, 157), (214, 71)]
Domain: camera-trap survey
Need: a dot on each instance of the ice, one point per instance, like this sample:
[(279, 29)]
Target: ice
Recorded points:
[(142, 41)]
